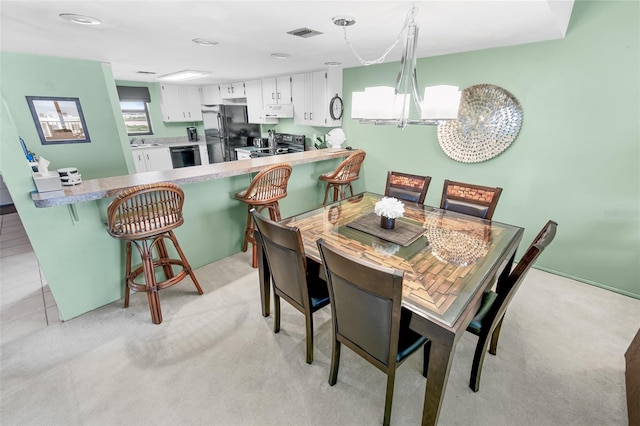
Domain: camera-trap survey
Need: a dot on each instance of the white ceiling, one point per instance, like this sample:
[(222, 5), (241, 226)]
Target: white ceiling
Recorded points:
[(156, 35)]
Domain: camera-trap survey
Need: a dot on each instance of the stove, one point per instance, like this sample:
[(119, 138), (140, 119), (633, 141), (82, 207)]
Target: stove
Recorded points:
[(285, 144)]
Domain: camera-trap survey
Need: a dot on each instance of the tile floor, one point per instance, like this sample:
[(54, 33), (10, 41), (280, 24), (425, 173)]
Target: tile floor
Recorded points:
[(26, 302)]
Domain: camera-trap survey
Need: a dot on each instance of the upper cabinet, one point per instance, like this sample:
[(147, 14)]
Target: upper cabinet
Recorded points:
[(180, 103), (211, 95), (255, 109), (312, 93), (276, 90), (232, 90)]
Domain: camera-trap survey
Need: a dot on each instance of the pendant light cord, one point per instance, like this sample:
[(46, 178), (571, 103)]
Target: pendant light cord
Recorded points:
[(408, 20)]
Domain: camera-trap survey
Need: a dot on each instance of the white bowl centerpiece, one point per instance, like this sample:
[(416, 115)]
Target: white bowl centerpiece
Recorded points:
[(389, 209)]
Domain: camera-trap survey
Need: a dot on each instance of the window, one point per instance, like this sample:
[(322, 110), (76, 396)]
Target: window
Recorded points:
[(133, 103), (136, 117)]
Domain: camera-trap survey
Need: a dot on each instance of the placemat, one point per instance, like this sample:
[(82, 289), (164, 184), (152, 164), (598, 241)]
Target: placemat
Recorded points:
[(403, 234)]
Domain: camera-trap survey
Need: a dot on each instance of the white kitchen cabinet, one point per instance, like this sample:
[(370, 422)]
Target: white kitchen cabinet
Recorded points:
[(180, 103), (152, 159), (276, 90), (211, 95), (255, 106), (232, 90), (312, 93)]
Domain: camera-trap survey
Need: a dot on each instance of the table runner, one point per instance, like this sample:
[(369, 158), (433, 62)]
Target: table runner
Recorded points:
[(403, 234)]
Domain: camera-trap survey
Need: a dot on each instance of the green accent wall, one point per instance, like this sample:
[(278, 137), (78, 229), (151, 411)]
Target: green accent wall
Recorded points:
[(576, 159), (91, 82)]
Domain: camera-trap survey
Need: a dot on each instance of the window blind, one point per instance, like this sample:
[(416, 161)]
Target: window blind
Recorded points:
[(133, 93)]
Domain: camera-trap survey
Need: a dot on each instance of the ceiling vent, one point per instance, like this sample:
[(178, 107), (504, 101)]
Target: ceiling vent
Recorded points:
[(304, 32)]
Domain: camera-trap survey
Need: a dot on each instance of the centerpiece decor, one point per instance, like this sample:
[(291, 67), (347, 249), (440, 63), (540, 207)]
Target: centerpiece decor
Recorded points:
[(389, 209)]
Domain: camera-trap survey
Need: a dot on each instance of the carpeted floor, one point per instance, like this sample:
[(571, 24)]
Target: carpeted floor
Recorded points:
[(216, 360)]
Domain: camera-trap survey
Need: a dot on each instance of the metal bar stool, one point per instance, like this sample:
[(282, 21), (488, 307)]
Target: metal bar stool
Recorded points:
[(340, 179), (264, 191), (146, 215)]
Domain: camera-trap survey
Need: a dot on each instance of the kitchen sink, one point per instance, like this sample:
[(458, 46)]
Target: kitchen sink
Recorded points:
[(140, 145)]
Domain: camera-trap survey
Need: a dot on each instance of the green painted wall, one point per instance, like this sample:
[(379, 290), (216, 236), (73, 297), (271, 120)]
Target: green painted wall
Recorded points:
[(576, 159), (91, 82)]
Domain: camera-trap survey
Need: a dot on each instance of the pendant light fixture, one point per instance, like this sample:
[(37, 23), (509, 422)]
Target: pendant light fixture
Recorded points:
[(391, 105)]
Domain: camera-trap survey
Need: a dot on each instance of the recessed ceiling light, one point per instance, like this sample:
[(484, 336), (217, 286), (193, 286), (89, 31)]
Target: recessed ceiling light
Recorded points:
[(332, 64), (184, 75), (80, 19), (204, 42), (280, 55)]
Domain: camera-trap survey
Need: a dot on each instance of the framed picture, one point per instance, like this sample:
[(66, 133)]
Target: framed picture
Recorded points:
[(58, 120)]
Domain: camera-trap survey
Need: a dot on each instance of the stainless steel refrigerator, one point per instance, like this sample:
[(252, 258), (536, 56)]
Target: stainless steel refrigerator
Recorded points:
[(226, 128)]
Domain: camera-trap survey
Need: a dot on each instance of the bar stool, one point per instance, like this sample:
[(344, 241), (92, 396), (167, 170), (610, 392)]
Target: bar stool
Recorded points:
[(264, 191), (340, 179), (146, 215)]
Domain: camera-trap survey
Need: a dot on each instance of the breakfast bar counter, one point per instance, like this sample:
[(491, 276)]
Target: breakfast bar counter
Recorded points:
[(96, 189), (85, 267)]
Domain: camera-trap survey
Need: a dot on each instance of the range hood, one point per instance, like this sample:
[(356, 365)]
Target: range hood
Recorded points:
[(278, 111)]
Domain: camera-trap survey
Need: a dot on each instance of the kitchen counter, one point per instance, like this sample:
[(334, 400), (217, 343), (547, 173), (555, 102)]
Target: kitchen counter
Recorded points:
[(96, 189)]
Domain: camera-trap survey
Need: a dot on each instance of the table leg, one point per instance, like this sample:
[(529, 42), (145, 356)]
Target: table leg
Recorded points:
[(265, 276), (440, 359)]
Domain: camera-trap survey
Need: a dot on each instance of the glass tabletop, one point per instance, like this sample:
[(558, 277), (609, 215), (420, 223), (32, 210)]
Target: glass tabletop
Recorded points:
[(443, 268)]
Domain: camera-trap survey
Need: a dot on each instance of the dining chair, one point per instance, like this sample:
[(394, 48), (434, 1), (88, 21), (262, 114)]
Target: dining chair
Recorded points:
[(467, 198), (367, 316), (341, 178), (264, 191), (407, 187), (487, 323), (295, 278), (145, 216)]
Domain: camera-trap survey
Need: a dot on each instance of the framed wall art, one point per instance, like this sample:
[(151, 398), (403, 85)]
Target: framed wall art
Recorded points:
[(58, 120)]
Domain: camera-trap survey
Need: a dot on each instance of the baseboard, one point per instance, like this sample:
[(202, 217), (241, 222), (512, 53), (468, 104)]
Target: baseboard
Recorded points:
[(593, 283), (7, 209)]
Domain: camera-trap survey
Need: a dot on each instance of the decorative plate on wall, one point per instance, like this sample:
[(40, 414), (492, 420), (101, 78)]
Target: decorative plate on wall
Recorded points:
[(488, 122)]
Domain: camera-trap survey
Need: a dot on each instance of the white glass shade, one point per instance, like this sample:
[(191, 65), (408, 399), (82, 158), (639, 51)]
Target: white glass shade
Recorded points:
[(441, 103), (379, 103)]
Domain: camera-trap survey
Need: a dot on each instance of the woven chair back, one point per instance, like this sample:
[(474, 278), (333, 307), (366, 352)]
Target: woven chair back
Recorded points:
[(146, 210)]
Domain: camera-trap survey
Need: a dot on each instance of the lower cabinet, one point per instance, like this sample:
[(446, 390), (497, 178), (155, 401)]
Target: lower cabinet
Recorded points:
[(152, 159)]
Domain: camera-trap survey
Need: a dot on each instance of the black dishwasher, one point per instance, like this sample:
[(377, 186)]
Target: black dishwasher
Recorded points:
[(185, 156)]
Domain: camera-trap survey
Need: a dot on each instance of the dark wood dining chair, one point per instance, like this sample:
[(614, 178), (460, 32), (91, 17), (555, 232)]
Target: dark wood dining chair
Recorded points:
[(367, 316), (264, 191), (145, 216), (407, 187), (341, 178), (467, 198), (295, 278), (488, 321)]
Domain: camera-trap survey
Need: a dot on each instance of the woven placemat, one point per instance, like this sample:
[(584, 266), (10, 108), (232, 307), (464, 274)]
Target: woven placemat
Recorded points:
[(403, 233)]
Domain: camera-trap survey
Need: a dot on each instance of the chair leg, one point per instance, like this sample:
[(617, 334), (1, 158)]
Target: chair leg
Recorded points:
[(478, 360), (335, 363), (127, 275), (163, 254), (309, 324), (326, 194), (336, 193), (494, 337), (425, 359), (247, 229), (150, 281), (391, 379), (350, 189), (276, 306), (185, 262)]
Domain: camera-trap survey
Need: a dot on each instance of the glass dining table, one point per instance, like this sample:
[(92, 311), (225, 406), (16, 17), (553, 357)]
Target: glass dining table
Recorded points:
[(449, 260)]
